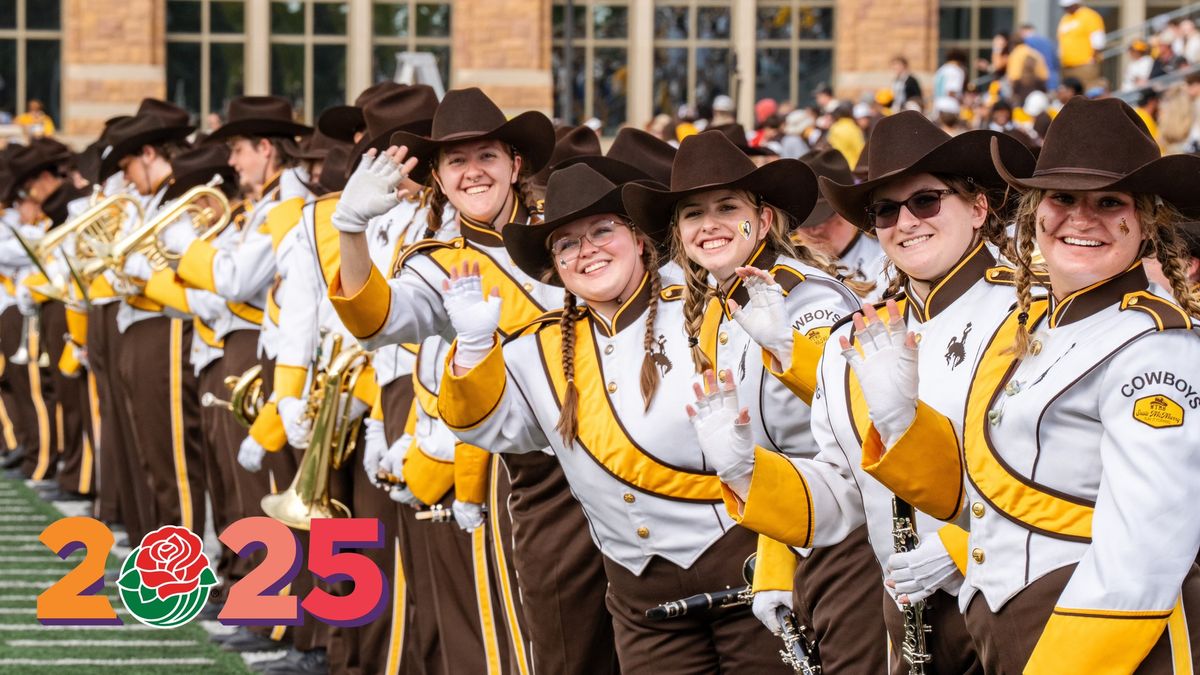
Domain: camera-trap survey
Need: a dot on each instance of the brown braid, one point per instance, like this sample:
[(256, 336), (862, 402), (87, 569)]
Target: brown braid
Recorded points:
[(568, 419), (437, 208), (696, 296), (650, 376)]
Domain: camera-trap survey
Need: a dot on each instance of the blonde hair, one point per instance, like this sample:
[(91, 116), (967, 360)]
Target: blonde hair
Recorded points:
[(1160, 240), (568, 419), (697, 293)]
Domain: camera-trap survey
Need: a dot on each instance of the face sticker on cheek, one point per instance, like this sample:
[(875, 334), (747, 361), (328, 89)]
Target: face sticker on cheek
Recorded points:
[(744, 228)]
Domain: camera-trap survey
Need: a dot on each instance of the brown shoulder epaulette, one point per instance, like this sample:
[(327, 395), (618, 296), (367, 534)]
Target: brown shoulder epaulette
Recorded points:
[(1165, 313)]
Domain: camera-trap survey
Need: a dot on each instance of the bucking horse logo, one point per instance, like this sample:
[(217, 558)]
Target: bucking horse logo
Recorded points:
[(956, 351)]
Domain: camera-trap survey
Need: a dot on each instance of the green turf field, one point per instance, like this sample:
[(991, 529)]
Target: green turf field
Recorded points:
[(27, 568)]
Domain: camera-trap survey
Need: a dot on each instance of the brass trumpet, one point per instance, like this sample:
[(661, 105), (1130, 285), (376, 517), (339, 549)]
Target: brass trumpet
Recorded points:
[(245, 396), (333, 438), (97, 229)]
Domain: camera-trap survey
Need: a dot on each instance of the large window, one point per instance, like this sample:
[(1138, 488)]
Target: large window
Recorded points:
[(793, 48), (31, 56), (970, 25), (693, 54), (599, 77), (409, 26), (308, 54), (206, 63)]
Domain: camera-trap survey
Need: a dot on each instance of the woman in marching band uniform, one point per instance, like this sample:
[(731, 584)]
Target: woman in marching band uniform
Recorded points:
[(927, 200), (728, 231), (586, 382), (1079, 443)]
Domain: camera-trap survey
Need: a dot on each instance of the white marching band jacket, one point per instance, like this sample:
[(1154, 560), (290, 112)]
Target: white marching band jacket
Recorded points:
[(1082, 454)]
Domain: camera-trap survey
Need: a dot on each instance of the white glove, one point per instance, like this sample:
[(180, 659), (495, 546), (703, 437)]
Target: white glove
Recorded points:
[(468, 516), (178, 236), (764, 605), (374, 450), (764, 319), (25, 302), (923, 570), (474, 316), (250, 455), (723, 432), (370, 192), (291, 412), (393, 463), (886, 370), (137, 267)]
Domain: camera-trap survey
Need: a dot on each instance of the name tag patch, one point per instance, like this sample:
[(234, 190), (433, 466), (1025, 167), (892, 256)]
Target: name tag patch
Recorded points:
[(1158, 411)]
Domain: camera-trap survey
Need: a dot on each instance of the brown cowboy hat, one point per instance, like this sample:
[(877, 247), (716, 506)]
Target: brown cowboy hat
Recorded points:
[(409, 108), (317, 146), (336, 170), (737, 133), (710, 161), (633, 155), (259, 116), (575, 192), (343, 121), (31, 160), (469, 115), (832, 165), (155, 122), (198, 166), (569, 143), (1104, 145), (907, 143)]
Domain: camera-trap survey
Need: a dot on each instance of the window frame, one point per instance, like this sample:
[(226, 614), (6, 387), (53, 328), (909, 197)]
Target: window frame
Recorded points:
[(796, 44), (206, 38), (411, 41), (309, 40), (589, 43), (22, 36)]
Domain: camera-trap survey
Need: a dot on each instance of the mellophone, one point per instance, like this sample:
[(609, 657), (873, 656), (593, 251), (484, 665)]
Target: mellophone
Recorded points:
[(799, 652)]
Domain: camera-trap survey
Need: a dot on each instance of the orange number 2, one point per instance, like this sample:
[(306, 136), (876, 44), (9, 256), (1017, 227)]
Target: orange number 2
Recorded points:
[(76, 599)]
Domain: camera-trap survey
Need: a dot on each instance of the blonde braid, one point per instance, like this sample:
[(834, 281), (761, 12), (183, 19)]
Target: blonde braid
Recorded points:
[(650, 376), (696, 296), (1172, 255), (568, 420), (1023, 259)]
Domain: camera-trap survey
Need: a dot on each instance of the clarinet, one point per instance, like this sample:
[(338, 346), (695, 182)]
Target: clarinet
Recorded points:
[(904, 535), (798, 652)]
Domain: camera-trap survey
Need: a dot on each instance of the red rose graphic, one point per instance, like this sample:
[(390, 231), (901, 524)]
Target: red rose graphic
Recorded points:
[(170, 561)]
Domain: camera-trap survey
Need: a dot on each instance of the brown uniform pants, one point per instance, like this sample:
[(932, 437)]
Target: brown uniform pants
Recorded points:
[(725, 641), (124, 491), (71, 409), (163, 404), (1005, 639), (418, 651), (14, 385), (560, 571), (837, 596), (948, 641)]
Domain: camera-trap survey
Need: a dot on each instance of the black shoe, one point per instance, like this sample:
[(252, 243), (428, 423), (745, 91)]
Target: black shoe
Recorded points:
[(61, 495), (245, 641), (15, 474), (14, 458), (312, 662), (210, 612)]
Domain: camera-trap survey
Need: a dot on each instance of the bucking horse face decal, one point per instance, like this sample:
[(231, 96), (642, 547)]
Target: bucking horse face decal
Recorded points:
[(956, 351)]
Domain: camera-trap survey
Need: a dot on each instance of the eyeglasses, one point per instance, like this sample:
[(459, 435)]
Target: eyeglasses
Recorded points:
[(885, 213), (600, 233)]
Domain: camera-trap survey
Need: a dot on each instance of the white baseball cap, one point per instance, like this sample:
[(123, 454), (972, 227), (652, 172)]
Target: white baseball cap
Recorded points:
[(1068, 3), (723, 103)]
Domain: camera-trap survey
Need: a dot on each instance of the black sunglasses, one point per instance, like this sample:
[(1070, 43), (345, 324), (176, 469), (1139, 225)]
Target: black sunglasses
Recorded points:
[(885, 213)]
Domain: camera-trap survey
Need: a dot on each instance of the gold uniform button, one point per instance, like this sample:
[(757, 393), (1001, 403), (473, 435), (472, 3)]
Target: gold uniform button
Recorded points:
[(917, 337), (612, 387), (528, 287), (643, 532), (1035, 347), (977, 509), (629, 498), (977, 555), (608, 349), (723, 338), (458, 243), (721, 375)]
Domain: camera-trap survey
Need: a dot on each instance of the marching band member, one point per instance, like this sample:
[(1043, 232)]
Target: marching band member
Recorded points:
[(927, 202), (585, 381), (473, 160), (718, 223), (1076, 465)]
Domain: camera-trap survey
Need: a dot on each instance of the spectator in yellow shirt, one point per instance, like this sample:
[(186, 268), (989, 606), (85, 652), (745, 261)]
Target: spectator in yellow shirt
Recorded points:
[(844, 134), (35, 122), (1080, 39)]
